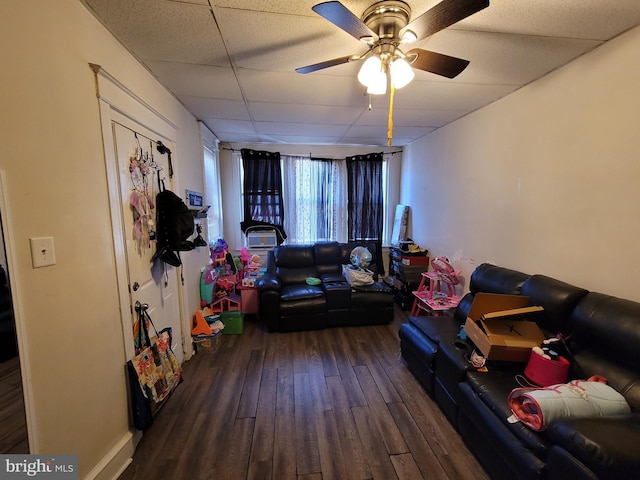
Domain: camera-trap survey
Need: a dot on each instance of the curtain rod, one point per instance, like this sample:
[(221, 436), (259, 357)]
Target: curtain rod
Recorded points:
[(231, 149)]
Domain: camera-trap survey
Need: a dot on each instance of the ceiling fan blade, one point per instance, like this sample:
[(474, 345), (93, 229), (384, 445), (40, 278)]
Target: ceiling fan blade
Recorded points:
[(442, 15), (342, 17), (328, 63), (437, 63)]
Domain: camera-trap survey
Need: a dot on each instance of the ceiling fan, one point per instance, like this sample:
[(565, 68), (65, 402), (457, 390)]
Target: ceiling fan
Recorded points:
[(383, 27)]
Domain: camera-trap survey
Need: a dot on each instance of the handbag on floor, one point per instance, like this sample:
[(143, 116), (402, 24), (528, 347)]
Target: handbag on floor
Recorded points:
[(153, 373), (357, 276)]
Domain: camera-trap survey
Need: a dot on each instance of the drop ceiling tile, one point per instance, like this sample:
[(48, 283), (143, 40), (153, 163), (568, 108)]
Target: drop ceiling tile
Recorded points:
[(579, 19), (279, 87), (294, 113), (326, 130), (238, 138), (410, 117), (504, 59), (202, 107), (220, 126), (197, 80), (163, 30), (300, 139), (307, 40), (449, 96)]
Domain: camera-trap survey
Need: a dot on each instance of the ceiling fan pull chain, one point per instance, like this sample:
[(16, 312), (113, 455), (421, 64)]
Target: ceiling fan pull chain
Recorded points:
[(390, 123)]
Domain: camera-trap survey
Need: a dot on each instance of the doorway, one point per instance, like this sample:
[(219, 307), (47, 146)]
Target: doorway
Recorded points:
[(14, 438)]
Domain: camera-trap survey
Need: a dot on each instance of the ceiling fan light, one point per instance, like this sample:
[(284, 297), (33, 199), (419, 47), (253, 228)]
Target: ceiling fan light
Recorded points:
[(370, 68), (378, 84), (408, 37), (401, 73)]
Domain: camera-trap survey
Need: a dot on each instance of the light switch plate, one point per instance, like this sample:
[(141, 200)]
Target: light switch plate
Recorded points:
[(42, 252)]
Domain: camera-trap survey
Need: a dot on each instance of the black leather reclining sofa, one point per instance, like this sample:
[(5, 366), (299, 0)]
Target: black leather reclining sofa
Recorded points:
[(603, 336), (288, 303)]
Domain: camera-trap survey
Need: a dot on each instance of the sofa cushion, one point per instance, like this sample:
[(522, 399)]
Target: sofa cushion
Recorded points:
[(327, 258), (493, 389), (436, 328), (557, 298), (604, 341), (608, 325), (294, 263), (493, 279), (306, 307), (624, 378), (609, 446), (302, 291), (371, 296)]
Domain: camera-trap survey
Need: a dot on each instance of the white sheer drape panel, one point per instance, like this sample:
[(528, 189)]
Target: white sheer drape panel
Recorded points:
[(315, 199), (213, 195)]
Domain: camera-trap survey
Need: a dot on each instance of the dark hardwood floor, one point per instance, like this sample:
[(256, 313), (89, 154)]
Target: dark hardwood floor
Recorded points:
[(330, 404), (13, 425)]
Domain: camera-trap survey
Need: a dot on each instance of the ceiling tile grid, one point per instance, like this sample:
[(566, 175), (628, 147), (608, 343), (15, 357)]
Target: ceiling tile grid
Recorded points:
[(232, 62)]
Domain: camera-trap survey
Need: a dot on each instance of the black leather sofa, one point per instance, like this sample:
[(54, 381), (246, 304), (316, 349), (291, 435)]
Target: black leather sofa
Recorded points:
[(288, 303), (603, 336)]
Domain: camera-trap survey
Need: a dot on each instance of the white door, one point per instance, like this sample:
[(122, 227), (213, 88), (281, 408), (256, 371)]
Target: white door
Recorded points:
[(150, 282)]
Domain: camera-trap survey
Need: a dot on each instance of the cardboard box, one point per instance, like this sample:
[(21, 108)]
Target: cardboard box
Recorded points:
[(497, 327)]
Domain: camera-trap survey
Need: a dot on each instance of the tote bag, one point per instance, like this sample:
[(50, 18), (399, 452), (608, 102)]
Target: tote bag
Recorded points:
[(154, 372)]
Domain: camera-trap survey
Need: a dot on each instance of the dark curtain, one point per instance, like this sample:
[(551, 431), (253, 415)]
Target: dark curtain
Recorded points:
[(365, 209), (262, 189)]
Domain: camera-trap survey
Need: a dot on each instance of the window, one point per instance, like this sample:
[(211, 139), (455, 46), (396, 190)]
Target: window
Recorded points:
[(213, 222), (315, 193), (315, 199), (262, 191)]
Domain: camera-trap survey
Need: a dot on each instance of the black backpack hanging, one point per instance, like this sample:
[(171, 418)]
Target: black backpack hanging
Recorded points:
[(175, 224)]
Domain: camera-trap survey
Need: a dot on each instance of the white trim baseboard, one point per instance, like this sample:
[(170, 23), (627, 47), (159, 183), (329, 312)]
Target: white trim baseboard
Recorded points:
[(117, 459)]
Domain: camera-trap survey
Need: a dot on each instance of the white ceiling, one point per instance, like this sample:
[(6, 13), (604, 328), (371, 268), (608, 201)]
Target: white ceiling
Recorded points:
[(232, 62)]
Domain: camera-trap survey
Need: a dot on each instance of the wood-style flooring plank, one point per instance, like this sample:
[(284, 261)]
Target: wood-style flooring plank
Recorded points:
[(350, 439), (406, 467), (332, 459), (284, 448), (251, 388), (377, 457), (263, 435), (307, 453), (387, 427), (350, 382), (418, 446)]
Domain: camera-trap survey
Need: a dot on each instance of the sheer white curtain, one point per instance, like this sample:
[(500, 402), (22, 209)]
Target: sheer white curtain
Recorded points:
[(213, 195), (315, 196)]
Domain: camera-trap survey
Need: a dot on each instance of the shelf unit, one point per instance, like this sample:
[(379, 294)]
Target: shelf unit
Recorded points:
[(404, 275)]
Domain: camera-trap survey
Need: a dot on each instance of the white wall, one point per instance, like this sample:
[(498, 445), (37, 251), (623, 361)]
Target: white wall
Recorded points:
[(53, 160), (543, 181)]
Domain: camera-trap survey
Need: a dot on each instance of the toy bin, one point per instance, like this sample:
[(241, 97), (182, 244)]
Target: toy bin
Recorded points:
[(204, 344), (233, 323)]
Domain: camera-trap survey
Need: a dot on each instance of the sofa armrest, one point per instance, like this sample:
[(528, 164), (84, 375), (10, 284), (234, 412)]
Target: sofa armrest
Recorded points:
[(268, 282)]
